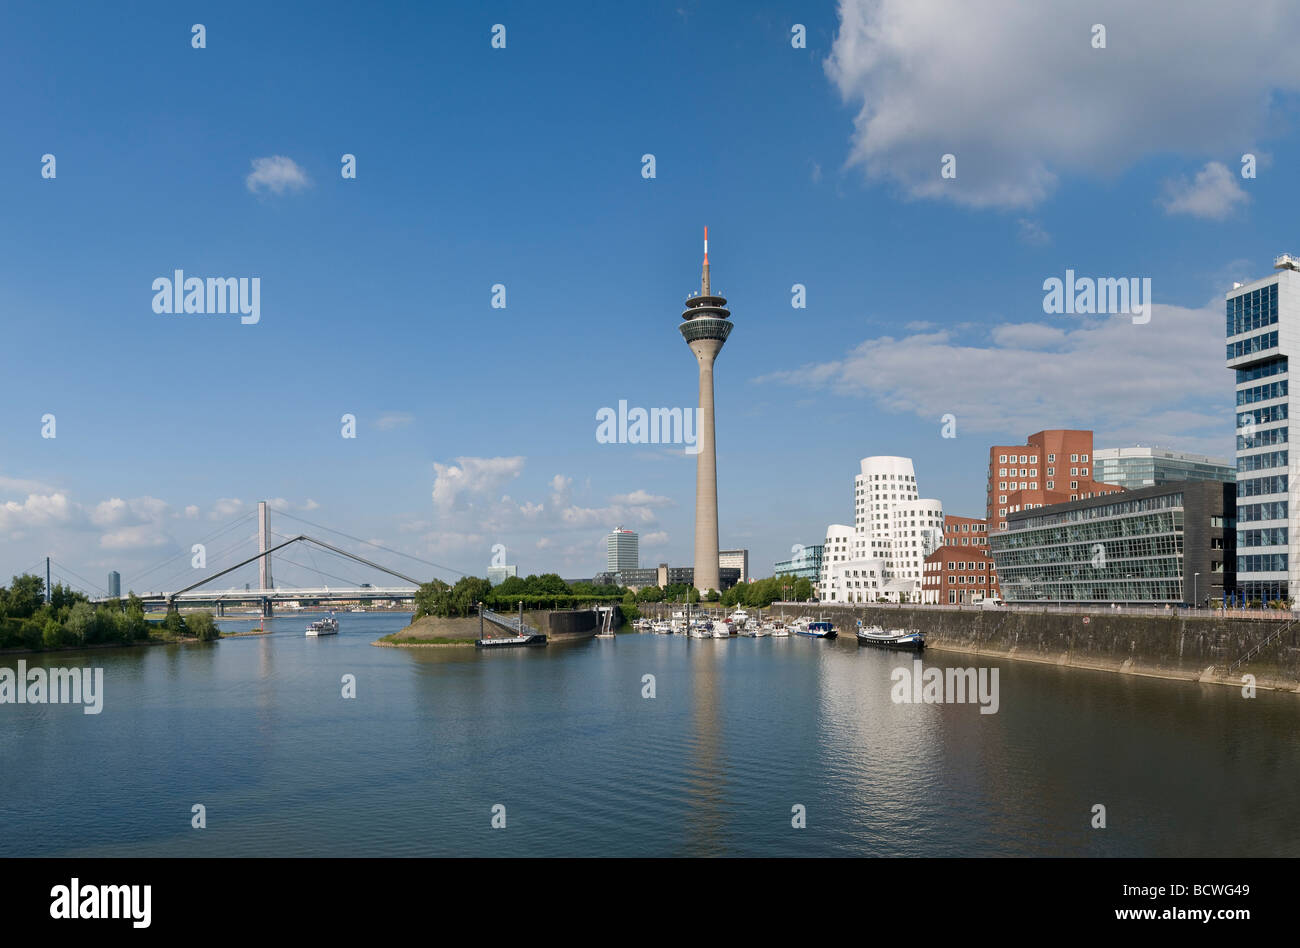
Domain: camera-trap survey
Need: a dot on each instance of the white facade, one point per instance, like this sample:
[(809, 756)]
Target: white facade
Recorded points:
[(1263, 332), (883, 554)]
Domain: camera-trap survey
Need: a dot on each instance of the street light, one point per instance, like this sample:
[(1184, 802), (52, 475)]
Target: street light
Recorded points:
[(1196, 582)]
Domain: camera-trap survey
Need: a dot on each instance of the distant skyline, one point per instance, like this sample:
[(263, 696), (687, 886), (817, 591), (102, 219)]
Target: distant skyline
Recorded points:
[(516, 175)]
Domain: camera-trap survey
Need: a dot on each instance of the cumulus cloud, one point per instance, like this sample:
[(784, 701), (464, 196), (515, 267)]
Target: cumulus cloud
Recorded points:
[(1212, 195), (639, 498), (225, 507), (657, 538), (1152, 382), (276, 174), (38, 510), (1019, 95), (471, 477)]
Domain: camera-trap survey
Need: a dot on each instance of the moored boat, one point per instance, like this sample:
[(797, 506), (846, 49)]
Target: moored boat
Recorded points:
[(821, 629), (891, 638)]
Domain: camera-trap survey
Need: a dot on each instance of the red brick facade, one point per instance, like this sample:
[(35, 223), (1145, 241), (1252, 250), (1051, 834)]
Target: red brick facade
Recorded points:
[(1055, 467)]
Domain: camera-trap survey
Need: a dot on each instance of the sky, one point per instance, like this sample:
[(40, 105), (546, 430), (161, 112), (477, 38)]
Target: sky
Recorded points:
[(1115, 154)]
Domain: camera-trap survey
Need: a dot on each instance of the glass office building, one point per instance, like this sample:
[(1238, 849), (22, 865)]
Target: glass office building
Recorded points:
[(1172, 544), (1138, 467), (1263, 329), (806, 563)]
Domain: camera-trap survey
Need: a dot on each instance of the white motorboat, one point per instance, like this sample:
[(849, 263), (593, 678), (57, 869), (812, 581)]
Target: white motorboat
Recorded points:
[(661, 627), (740, 617), (327, 626)]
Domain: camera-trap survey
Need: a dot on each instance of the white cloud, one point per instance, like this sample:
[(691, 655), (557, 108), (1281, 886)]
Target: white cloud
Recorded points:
[(191, 511), (640, 498), (1031, 232), (38, 510), (225, 507), (1017, 93), (472, 477), (394, 419), (1122, 379), (1212, 195), (658, 538), (276, 174)]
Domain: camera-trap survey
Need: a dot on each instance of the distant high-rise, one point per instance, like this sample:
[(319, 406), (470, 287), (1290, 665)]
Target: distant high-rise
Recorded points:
[(496, 575), (114, 585), (705, 328), (622, 550)]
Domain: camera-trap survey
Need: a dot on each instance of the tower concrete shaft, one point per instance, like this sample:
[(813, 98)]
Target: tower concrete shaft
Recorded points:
[(263, 541), (705, 328), (706, 474)]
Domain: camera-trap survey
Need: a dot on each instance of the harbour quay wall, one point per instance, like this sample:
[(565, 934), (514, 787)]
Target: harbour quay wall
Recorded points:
[(1186, 645), (1193, 647)]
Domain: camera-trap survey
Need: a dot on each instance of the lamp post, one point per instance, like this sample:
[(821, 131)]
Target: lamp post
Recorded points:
[(1196, 582)]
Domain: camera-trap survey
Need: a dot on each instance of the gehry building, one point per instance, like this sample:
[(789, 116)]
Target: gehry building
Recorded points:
[(882, 555)]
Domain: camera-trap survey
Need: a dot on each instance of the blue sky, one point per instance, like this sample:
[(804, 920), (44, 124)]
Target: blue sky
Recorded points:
[(522, 166)]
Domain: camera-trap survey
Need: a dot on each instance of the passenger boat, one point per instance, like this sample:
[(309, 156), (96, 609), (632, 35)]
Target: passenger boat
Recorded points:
[(892, 638), (740, 617), (327, 626), (821, 629)]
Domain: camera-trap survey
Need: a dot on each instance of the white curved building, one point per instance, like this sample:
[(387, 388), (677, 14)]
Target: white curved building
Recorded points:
[(894, 529)]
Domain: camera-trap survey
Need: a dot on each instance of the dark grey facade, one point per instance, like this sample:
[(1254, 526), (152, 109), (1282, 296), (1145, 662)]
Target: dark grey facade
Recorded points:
[(1169, 544), (727, 575)]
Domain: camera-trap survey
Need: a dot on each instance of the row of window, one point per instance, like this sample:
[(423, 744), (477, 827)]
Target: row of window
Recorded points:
[(1262, 416), (1265, 340), (1269, 510), (1260, 439), (1262, 393), (1270, 536), (1262, 563), (1271, 367), (1251, 310), (1262, 486), (1261, 462), (1033, 458)]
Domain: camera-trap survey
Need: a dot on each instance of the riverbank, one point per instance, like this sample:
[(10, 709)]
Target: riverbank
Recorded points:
[(1207, 647), (431, 631)]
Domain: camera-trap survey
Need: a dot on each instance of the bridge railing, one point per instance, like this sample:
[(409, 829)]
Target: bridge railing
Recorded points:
[(510, 623)]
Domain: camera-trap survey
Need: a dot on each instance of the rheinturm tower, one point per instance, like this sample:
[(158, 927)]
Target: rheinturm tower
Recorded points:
[(705, 327)]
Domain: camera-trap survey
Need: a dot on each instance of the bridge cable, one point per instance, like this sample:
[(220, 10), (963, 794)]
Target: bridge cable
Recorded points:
[(135, 580), (379, 546)]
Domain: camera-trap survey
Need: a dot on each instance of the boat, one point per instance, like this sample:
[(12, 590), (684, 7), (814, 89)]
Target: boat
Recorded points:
[(779, 630), (327, 626), (740, 617), (821, 629), (891, 638), (661, 627), (510, 641)]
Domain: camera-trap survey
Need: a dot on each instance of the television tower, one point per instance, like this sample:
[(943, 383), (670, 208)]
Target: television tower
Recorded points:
[(705, 328)]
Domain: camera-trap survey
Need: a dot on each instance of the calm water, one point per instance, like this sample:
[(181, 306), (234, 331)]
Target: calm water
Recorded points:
[(740, 731)]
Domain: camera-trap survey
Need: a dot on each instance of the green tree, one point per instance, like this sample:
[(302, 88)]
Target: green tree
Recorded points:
[(203, 626), (433, 599), (650, 594), (80, 625), (803, 589), (174, 624), (468, 591), (24, 596), (52, 634)]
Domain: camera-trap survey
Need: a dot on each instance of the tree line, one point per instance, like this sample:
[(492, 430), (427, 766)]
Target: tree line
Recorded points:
[(437, 598), (69, 619)]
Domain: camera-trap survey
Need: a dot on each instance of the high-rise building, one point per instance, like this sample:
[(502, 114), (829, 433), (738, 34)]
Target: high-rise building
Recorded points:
[(1055, 466), (735, 559), (1139, 466), (705, 327), (622, 550), (1263, 329), (882, 556), (114, 585), (496, 575)]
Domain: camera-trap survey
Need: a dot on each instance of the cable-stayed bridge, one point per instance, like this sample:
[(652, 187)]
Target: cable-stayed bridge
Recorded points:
[(196, 584)]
